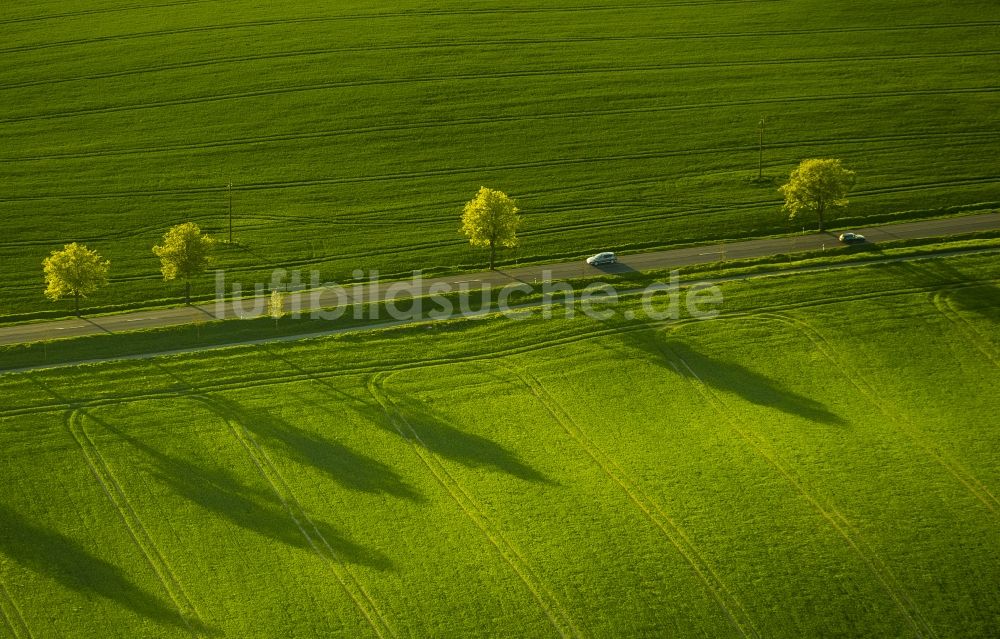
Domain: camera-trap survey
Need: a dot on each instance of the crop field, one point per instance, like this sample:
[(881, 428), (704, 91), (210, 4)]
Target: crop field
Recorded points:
[(819, 460), (352, 132)]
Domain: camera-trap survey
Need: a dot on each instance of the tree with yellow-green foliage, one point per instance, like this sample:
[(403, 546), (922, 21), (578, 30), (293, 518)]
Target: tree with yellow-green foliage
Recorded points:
[(75, 270), (817, 185), (184, 254), (491, 219)]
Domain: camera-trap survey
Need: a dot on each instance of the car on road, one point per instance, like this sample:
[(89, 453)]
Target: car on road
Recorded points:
[(602, 258), (851, 238)]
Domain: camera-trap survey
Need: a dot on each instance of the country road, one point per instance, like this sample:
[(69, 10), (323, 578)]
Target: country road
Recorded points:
[(363, 293)]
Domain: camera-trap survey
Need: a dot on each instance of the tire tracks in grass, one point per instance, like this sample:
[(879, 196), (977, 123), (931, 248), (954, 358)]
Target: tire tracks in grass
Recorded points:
[(474, 77), (942, 302), (716, 587), (276, 185), (268, 471), (466, 12), (868, 390), (12, 616), (370, 369), (281, 55), (554, 610), (840, 524), (90, 12), (479, 121), (138, 532)]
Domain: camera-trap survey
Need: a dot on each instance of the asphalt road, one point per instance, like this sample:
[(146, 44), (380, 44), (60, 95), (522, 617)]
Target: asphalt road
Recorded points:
[(365, 293)]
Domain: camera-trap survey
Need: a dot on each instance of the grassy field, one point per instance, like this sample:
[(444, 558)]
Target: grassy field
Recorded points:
[(820, 460), (353, 132)]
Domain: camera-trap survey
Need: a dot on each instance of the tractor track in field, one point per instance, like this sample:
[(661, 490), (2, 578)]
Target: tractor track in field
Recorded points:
[(827, 511), (370, 369), (475, 121), (252, 24), (89, 12), (12, 616), (716, 587), (275, 185), (476, 77), (903, 424), (141, 537), (268, 471), (942, 302), (556, 612), (280, 55)]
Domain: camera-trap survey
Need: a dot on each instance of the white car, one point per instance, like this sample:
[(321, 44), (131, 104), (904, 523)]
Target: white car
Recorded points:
[(602, 258)]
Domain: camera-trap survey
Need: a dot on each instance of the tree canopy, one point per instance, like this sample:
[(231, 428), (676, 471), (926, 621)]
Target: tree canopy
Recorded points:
[(491, 219), (817, 185), (75, 270), (184, 254)]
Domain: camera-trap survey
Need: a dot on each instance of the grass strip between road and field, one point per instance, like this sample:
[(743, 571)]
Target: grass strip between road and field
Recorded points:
[(234, 332)]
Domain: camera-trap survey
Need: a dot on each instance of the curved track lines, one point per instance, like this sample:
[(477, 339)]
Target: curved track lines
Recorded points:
[(455, 171), (133, 524), (12, 616), (90, 12), (255, 24), (281, 55), (476, 121), (492, 354), (840, 524), (868, 390), (554, 610), (474, 77), (942, 303), (267, 470), (717, 589)]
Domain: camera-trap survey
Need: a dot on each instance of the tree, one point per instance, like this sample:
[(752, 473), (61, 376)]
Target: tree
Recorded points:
[(817, 185), (491, 219), (184, 254), (276, 306), (76, 271)]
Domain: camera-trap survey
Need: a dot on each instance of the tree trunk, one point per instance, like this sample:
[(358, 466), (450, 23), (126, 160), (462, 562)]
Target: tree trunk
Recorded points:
[(76, 301), (493, 253), (820, 205), (187, 291)]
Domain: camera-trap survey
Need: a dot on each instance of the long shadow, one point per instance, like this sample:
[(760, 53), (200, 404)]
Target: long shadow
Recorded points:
[(982, 298), (725, 376), (435, 433), (54, 555), (218, 490), (348, 468), (468, 449)]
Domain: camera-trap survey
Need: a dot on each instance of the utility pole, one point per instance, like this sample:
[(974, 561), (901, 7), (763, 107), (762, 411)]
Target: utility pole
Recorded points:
[(229, 189), (760, 146)]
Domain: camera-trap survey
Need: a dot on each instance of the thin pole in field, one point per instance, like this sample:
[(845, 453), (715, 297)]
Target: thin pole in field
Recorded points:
[(760, 146), (229, 189)]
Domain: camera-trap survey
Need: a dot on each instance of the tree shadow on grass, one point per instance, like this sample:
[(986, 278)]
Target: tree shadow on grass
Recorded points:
[(434, 432), (261, 511), (54, 555), (721, 375), (982, 298), (441, 438), (348, 468)]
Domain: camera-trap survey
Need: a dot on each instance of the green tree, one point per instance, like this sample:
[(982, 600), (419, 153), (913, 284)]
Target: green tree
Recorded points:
[(491, 219), (817, 185), (75, 270), (184, 254), (276, 306)]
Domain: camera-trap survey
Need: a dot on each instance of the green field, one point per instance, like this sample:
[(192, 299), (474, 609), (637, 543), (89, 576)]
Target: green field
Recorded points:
[(820, 460), (352, 132)]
